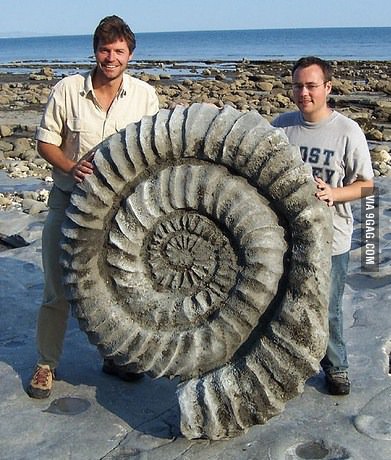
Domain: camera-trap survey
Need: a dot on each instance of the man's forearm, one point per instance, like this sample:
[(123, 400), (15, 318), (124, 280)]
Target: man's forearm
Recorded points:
[(55, 156), (354, 191)]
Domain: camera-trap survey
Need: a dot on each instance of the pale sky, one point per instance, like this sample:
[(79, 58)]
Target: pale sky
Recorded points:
[(67, 17)]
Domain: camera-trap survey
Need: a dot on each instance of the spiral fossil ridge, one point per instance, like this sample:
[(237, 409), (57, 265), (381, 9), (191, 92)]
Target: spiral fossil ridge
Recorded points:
[(197, 249)]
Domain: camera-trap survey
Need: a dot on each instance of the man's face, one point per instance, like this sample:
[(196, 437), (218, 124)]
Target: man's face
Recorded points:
[(310, 92), (112, 59)]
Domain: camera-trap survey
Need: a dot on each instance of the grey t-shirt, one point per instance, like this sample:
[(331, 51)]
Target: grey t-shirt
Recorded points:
[(338, 153)]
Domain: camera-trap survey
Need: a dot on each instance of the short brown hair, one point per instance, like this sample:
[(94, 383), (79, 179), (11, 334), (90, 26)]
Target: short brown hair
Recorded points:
[(313, 60), (112, 28)]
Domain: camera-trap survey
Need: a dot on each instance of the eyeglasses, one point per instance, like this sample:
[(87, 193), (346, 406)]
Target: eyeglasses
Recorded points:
[(309, 86)]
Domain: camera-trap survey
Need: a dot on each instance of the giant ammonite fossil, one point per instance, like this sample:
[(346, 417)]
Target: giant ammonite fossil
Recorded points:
[(197, 249)]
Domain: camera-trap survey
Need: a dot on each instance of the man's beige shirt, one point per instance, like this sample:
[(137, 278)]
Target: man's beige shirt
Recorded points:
[(74, 121)]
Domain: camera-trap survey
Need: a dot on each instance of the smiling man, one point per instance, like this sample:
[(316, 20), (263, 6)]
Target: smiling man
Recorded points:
[(338, 152), (81, 112)]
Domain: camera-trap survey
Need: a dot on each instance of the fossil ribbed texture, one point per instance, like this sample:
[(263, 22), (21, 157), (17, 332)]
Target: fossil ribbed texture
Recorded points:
[(197, 249)]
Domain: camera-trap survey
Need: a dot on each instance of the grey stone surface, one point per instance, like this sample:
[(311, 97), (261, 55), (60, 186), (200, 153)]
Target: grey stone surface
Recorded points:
[(117, 420)]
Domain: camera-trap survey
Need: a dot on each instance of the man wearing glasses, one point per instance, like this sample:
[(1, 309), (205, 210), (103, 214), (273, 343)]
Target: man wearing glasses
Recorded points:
[(338, 153)]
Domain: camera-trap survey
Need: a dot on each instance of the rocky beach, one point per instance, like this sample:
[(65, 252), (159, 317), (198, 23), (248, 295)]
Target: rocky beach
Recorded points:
[(361, 90), (91, 415)]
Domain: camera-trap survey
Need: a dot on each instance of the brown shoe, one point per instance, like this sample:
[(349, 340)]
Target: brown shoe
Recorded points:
[(41, 382), (109, 367)]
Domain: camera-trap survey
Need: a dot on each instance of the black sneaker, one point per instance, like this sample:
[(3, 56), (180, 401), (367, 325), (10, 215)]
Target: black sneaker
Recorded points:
[(338, 383), (109, 367)]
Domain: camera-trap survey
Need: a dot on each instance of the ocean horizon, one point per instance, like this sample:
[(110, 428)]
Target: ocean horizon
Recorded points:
[(333, 43), (12, 35)]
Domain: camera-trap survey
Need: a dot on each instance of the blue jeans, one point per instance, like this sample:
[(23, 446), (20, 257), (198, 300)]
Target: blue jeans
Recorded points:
[(336, 359)]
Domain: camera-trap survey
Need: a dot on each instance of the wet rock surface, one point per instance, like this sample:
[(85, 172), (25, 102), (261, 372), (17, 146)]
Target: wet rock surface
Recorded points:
[(91, 415)]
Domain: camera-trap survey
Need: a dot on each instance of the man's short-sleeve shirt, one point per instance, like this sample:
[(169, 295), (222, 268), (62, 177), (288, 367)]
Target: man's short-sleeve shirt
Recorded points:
[(74, 121)]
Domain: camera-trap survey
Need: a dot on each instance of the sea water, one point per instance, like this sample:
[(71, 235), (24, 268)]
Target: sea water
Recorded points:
[(24, 54), (364, 43)]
